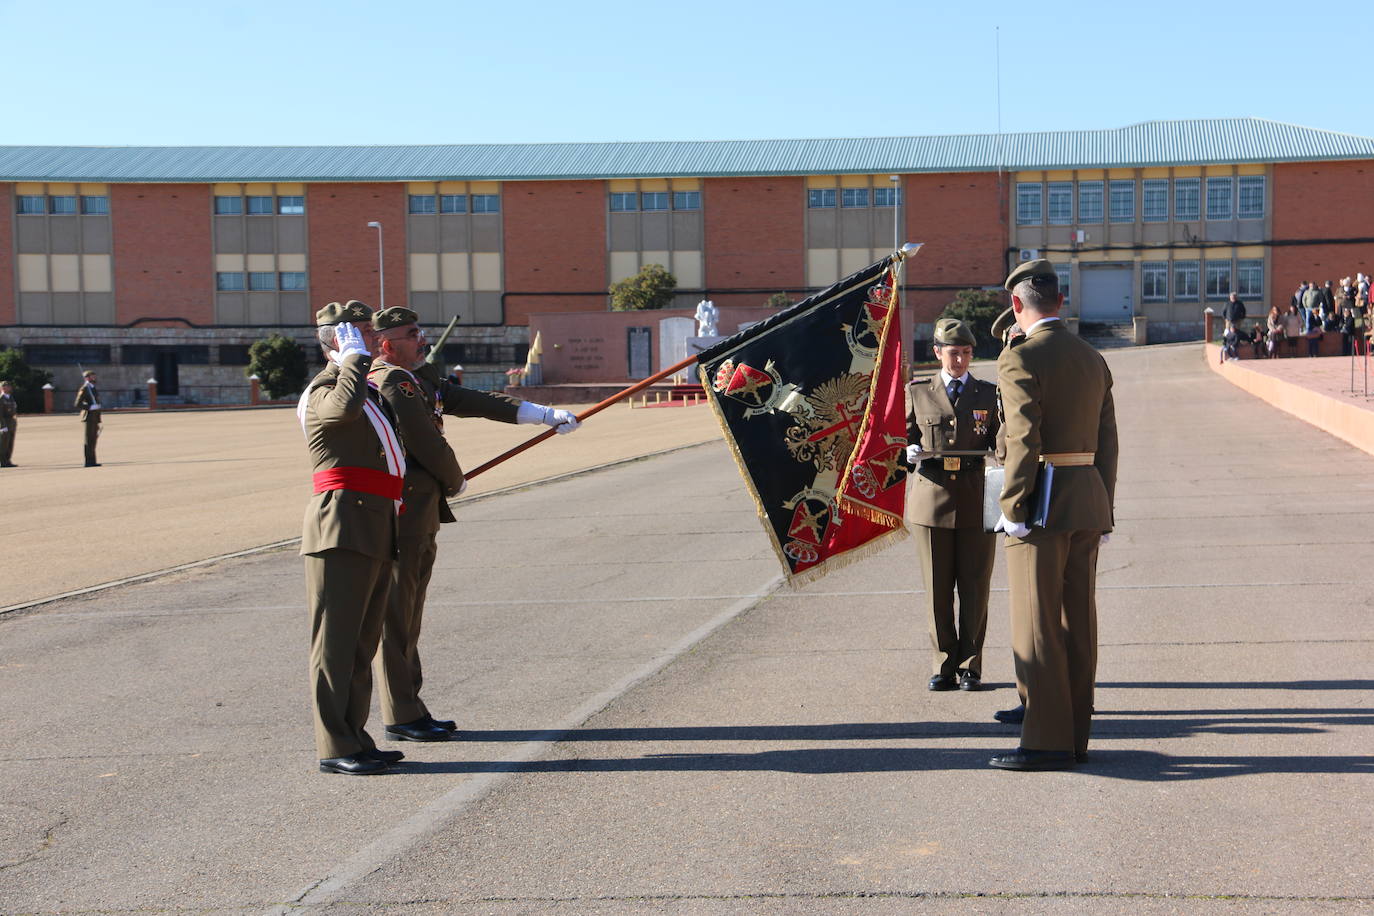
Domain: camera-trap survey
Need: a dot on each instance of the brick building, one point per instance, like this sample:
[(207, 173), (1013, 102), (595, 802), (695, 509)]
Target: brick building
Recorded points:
[(168, 262)]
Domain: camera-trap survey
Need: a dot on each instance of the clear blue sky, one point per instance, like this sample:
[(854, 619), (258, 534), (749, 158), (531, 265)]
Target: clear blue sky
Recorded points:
[(345, 72)]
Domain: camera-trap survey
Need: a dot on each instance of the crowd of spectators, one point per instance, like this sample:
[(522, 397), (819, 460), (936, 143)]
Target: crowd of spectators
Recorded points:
[(1313, 312)]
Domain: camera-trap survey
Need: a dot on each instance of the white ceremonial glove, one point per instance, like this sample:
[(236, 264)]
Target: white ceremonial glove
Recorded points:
[(913, 453), (1013, 529), (4, 429), (562, 421), (349, 341), (1106, 539), (463, 487)]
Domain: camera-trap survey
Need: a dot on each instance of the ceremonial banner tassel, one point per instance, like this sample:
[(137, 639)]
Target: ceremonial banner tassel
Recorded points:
[(811, 402)]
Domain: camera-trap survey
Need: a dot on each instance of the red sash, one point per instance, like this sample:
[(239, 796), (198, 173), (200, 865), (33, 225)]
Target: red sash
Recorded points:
[(363, 480)]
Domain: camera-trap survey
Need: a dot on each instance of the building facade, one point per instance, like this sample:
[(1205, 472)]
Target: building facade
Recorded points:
[(167, 263)]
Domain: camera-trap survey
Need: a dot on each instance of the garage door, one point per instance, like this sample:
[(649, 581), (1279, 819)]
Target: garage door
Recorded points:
[(1104, 293)]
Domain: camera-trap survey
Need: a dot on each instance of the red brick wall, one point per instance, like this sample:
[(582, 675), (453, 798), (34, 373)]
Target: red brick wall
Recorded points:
[(9, 309), (957, 216), (755, 236), (343, 249), (1320, 200), (163, 255), (555, 241)]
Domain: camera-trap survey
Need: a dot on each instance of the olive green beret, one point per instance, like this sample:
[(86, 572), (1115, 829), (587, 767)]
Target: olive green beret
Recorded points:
[(336, 313), (1037, 269), (951, 332), (1002, 323), (394, 317)]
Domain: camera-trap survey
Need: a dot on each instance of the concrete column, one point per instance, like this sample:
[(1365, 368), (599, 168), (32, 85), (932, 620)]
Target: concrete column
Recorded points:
[(1142, 331)]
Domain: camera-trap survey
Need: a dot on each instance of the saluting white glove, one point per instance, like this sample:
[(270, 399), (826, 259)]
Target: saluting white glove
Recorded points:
[(1106, 539), (913, 453), (1013, 529), (349, 341), (562, 421)]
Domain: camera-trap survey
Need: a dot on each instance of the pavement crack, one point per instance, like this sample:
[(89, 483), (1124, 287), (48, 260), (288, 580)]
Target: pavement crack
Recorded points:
[(45, 842)]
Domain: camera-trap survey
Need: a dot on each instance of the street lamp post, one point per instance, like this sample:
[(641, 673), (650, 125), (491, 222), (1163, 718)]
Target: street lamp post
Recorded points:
[(896, 222), (381, 268)]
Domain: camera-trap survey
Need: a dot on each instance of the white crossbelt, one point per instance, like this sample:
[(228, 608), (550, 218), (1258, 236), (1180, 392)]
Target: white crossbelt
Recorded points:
[(391, 446)]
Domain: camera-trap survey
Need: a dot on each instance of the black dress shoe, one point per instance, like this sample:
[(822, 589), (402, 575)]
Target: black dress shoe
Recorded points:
[(1011, 716), (447, 725), (1080, 756), (942, 682), (387, 757), (359, 764), (1026, 759), (419, 730), (970, 681), (92, 464)]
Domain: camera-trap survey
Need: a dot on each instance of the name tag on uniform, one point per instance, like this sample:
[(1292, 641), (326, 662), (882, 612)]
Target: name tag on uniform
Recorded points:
[(951, 464)]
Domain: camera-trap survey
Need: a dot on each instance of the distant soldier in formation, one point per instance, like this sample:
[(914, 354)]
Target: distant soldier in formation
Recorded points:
[(349, 537), (952, 411), (9, 424), (418, 397), (88, 402)]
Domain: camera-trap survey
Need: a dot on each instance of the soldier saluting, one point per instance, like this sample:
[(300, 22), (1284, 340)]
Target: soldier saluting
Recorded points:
[(417, 398), (952, 411), (88, 402)]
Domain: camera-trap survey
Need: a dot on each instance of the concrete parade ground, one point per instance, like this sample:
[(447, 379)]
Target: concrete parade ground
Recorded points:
[(649, 722)]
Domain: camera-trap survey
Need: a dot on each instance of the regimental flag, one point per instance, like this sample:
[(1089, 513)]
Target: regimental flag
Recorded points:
[(811, 402)]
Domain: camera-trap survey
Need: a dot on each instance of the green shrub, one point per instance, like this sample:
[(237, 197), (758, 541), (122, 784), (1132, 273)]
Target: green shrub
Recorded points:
[(28, 382), (979, 308), (279, 364), (651, 288)]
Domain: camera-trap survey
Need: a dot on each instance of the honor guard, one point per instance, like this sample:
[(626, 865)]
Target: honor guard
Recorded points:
[(9, 424), (1057, 400), (88, 402), (952, 412), (418, 397), (349, 537)]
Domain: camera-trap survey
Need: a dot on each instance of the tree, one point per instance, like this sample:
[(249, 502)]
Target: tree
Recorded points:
[(979, 308), (651, 288), (28, 382), (279, 364), (779, 301)]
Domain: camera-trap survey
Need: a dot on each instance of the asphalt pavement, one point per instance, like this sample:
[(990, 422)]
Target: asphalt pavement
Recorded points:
[(650, 724)]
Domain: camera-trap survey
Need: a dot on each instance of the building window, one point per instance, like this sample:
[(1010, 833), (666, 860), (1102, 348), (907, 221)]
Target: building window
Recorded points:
[(1064, 273), (686, 200), (1219, 198), (653, 200), (229, 282), (292, 279), (233, 354), (262, 280), (1029, 201), (1154, 279), (30, 204), (1060, 204), (1218, 279), (67, 355), (1185, 280), (1154, 200), (887, 197), (95, 205), (624, 201), (486, 203), (854, 197), (1122, 202), (287, 205), (1090, 201), (260, 206), (1186, 191), (228, 206), (1250, 279), (453, 203), (422, 203), (1251, 204), (820, 198), (62, 205)]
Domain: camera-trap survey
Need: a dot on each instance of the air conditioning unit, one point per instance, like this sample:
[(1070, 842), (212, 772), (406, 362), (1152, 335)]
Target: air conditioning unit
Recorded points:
[(1029, 254)]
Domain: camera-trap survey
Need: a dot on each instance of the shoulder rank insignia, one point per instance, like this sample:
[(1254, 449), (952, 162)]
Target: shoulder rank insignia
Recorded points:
[(407, 388)]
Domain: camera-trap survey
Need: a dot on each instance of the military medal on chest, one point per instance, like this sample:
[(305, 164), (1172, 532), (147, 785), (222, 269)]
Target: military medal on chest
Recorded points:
[(980, 422)]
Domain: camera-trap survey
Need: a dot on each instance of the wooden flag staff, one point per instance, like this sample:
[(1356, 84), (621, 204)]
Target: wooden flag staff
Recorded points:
[(596, 408)]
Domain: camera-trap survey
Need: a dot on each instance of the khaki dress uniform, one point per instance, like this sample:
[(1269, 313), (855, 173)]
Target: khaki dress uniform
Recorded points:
[(88, 402), (9, 422), (946, 506), (432, 476), (1057, 396), (348, 541)]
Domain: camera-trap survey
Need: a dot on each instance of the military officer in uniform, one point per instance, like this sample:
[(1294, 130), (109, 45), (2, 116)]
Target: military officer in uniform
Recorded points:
[(88, 402), (9, 424), (952, 411), (418, 398), (348, 538), (1056, 394)]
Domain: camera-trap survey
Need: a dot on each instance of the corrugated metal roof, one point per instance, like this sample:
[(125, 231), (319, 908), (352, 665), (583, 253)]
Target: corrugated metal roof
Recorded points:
[(1153, 143)]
